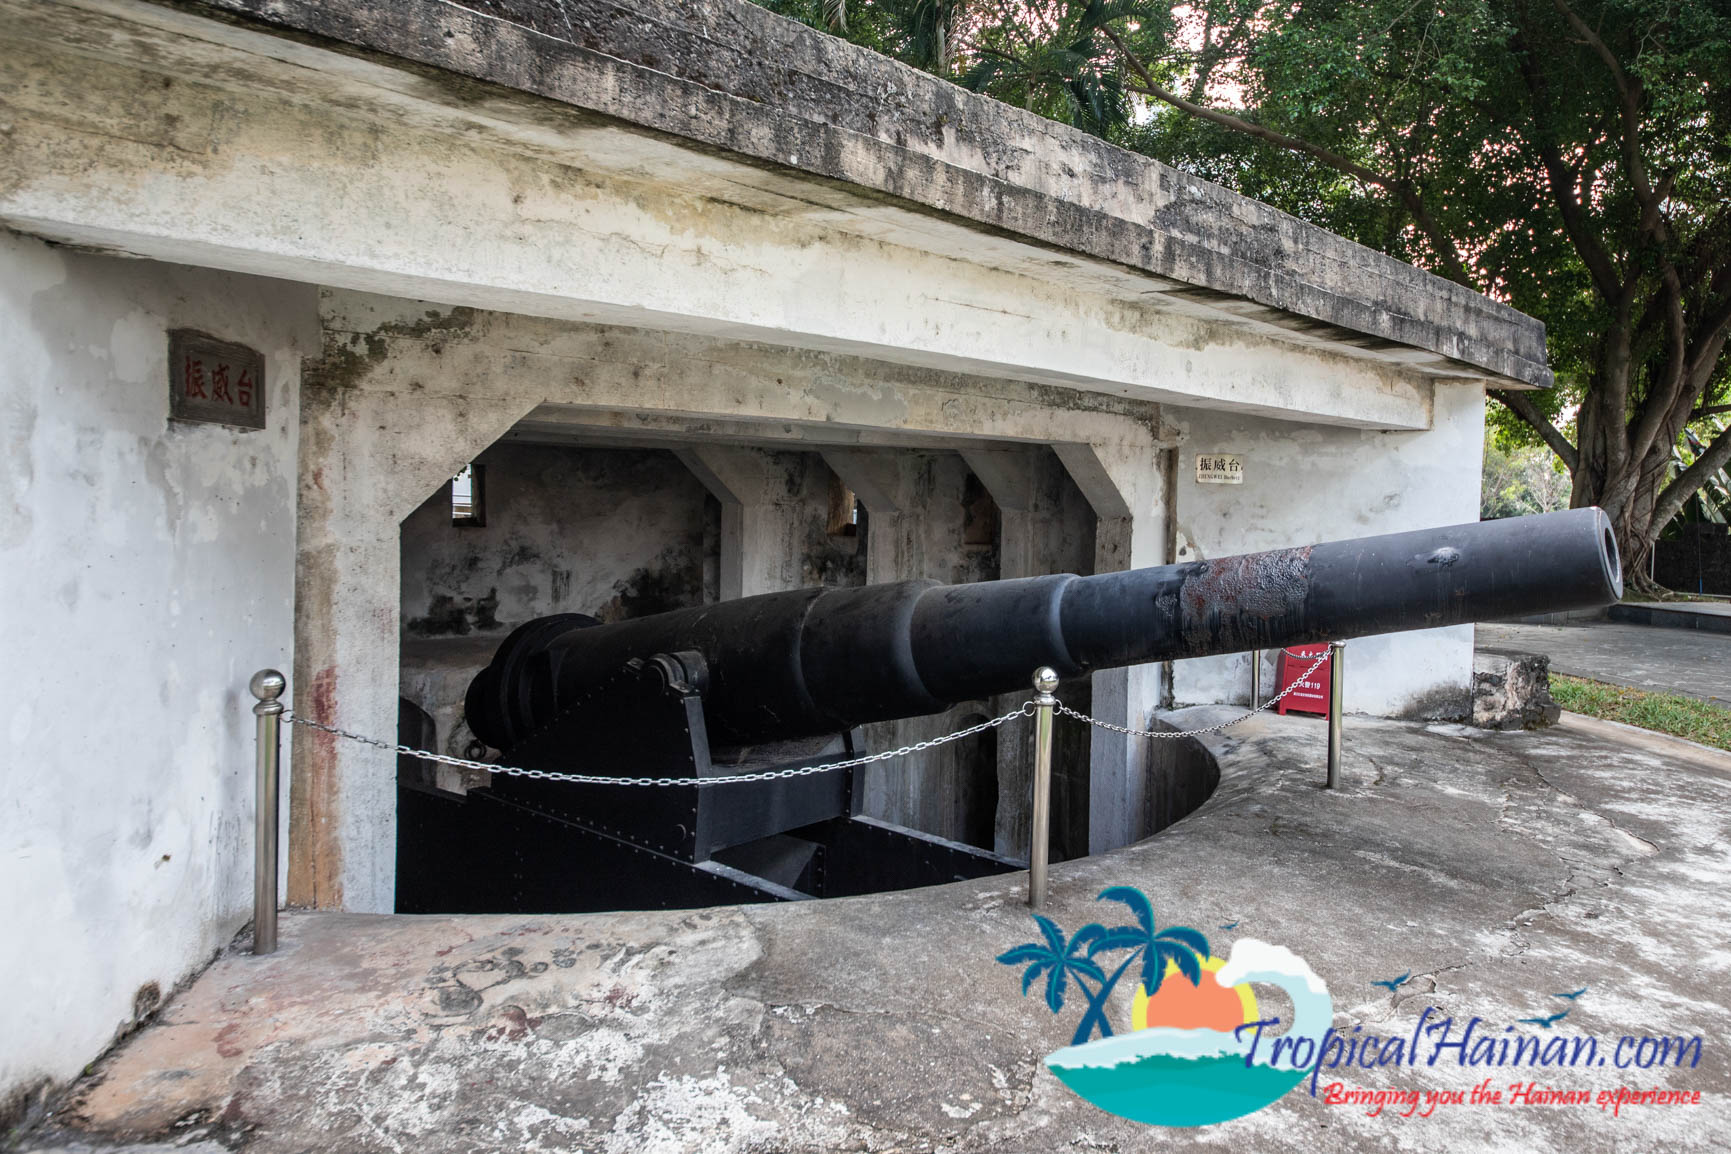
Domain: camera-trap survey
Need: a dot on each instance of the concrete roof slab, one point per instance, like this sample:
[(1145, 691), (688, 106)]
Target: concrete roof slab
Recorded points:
[(729, 76)]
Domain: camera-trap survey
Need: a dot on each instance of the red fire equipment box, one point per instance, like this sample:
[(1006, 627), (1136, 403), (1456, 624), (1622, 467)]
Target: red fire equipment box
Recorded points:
[(1311, 696)]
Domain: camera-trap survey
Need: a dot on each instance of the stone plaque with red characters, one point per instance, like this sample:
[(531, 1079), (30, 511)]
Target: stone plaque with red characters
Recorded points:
[(217, 382)]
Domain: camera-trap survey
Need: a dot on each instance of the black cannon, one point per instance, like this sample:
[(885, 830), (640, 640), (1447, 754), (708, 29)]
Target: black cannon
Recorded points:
[(785, 679)]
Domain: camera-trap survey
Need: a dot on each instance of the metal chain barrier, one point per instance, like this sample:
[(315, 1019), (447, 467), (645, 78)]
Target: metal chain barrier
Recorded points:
[(1246, 716), (1024, 710), (267, 685)]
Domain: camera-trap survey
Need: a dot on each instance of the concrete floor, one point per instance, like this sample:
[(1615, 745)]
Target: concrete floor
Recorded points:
[(1498, 868), (1711, 608), (1685, 661)]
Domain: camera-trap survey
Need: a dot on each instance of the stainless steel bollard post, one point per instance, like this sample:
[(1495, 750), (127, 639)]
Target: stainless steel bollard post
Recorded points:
[(1255, 678), (266, 685), (1336, 701), (1045, 681)]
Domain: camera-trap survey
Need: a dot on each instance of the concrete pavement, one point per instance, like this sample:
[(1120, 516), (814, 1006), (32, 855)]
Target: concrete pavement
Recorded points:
[(1712, 616), (1690, 662), (1497, 868), (1710, 608)]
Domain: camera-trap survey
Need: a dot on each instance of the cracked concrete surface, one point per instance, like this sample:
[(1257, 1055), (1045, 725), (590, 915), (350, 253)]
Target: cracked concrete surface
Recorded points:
[(1498, 868)]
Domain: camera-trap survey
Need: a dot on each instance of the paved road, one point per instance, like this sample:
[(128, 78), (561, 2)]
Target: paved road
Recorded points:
[(1640, 656), (1711, 608)]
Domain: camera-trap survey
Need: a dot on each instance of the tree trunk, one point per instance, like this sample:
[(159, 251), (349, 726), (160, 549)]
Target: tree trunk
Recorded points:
[(1608, 474)]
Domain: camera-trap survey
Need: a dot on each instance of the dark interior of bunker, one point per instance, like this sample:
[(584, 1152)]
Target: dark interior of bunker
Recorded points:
[(509, 569)]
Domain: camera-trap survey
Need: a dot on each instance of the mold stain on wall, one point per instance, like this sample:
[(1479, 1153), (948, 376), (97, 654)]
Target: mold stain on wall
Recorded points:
[(613, 533), (669, 582)]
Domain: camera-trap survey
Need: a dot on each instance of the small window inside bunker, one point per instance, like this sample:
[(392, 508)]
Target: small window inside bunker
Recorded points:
[(468, 497), (844, 509)]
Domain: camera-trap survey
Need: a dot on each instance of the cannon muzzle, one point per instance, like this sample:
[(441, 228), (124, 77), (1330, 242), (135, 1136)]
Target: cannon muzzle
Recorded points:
[(811, 661)]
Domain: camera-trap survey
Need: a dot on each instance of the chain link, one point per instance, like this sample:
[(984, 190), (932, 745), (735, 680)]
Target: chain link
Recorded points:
[(1246, 716), (1025, 710)]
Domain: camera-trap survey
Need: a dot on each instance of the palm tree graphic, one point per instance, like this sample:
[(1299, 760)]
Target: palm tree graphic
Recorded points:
[(1058, 960), (1062, 960)]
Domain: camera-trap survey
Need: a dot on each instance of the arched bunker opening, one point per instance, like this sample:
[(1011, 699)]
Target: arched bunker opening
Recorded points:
[(572, 532)]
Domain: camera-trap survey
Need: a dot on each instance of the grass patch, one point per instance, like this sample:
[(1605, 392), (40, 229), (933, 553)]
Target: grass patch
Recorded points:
[(1671, 713)]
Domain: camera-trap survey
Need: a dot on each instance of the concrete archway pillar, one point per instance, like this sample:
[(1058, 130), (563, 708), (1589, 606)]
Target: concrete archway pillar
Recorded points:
[(756, 555), (1127, 487), (882, 483), (880, 480), (379, 458), (1009, 476), (406, 394)]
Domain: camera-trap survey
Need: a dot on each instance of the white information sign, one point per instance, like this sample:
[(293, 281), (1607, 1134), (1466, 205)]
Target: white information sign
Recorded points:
[(1219, 469)]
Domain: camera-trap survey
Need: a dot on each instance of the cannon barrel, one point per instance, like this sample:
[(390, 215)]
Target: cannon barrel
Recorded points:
[(810, 661)]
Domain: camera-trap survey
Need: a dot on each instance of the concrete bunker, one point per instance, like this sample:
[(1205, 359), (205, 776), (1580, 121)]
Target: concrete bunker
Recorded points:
[(709, 469), (535, 245), (584, 525)]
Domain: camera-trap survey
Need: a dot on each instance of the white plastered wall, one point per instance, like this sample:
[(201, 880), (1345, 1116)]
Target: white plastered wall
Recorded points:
[(147, 570), (1309, 483)]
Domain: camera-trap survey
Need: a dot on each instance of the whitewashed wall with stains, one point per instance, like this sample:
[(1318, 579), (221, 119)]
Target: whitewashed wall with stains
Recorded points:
[(146, 570), (1304, 484)]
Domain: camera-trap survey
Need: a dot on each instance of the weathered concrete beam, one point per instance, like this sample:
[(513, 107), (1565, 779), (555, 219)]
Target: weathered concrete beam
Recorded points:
[(448, 192), (728, 74)]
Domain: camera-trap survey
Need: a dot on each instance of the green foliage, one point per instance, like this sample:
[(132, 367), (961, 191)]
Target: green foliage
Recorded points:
[(917, 32), (1520, 479), (1457, 105), (1712, 501), (1056, 61), (874, 25), (1570, 157), (1671, 713)]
